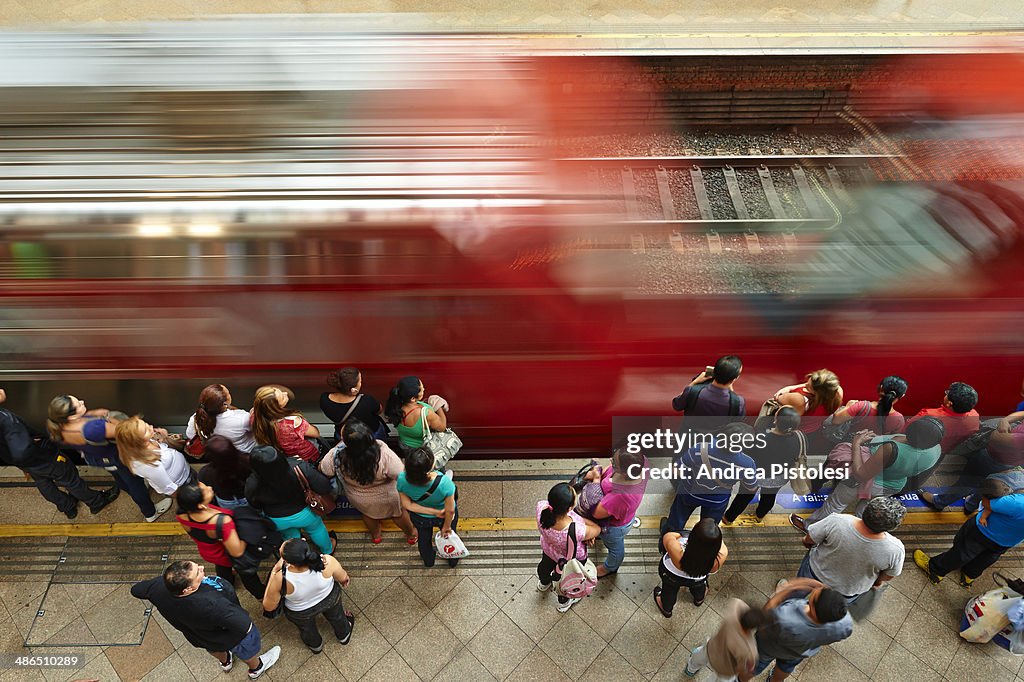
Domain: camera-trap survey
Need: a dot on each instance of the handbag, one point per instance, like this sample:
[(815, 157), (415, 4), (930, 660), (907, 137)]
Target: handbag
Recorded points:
[(279, 609), (196, 446), (801, 483), (322, 505), (840, 433), (451, 547), (443, 444)]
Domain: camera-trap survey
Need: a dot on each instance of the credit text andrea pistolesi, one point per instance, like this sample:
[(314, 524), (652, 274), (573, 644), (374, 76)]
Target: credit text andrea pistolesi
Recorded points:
[(679, 472)]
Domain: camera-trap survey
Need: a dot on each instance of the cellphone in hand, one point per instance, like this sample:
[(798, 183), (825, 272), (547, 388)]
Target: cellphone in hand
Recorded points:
[(709, 370)]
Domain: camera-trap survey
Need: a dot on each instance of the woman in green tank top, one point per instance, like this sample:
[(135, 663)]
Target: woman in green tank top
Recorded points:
[(893, 461), (408, 412)]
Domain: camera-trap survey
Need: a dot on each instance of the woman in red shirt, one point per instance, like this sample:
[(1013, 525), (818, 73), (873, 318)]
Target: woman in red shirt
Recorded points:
[(217, 546), (274, 424), (819, 396)]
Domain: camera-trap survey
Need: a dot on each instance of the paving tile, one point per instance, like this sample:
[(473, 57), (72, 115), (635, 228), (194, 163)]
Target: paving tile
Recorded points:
[(364, 589), (828, 664), (538, 667), (171, 669), (928, 639), (636, 586), (501, 645), (431, 589), (133, 662), (118, 618), (501, 588), (396, 611), (365, 649), (75, 633), (464, 666), (643, 644), (899, 665), (606, 609), (609, 665), (391, 668), (572, 644), (979, 662), (428, 647), (865, 647), (465, 610), (912, 582), (891, 611), (98, 668), (480, 499), (201, 664), (317, 667), (736, 587), (534, 612), (85, 596), (58, 610), (20, 595)]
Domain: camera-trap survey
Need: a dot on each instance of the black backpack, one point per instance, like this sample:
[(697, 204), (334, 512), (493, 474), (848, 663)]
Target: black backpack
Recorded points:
[(691, 399), (260, 535)]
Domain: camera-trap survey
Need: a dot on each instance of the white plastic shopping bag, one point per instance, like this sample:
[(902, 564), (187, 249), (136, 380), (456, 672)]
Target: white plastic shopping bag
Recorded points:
[(451, 547)]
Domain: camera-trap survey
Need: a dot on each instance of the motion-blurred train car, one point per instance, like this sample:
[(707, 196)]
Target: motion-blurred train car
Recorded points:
[(247, 205)]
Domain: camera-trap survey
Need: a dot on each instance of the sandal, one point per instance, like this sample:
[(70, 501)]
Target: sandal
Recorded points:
[(657, 596), (413, 540)]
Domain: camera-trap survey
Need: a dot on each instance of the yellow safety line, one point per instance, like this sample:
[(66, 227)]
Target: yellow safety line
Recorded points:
[(482, 523)]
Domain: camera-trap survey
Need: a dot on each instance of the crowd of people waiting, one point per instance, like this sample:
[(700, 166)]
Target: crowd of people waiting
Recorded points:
[(267, 472)]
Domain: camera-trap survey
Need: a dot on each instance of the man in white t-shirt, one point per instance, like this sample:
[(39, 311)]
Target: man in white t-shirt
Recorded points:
[(854, 555)]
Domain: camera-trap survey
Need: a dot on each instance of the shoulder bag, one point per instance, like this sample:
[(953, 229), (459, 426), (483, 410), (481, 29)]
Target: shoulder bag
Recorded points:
[(279, 609), (322, 505), (840, 433), (801, 483), (444, 444)]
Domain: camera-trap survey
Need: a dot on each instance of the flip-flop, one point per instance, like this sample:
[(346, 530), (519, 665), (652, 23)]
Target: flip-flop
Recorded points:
[(608, 574), (657, 594)]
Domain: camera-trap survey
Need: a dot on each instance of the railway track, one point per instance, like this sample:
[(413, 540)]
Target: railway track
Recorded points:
[(780, 193)]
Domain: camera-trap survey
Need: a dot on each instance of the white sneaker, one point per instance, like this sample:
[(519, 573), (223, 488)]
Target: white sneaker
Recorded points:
[(562, 608), (544, 587), (226, 667), (267, 661), (161, 506)]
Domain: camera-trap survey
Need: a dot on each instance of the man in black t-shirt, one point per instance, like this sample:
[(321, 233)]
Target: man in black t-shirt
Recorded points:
[(37, 456), (207, 612)]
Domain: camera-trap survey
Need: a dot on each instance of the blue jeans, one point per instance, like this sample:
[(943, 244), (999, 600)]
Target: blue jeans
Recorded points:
[(305, 520), (711, 507), (232, 502), (614, 539), (979, 465)]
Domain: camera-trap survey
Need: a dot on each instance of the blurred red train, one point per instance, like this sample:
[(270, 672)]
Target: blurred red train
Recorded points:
[(425, 229)]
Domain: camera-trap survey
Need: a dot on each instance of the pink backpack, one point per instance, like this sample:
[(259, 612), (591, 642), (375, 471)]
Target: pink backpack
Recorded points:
[(578, 578)]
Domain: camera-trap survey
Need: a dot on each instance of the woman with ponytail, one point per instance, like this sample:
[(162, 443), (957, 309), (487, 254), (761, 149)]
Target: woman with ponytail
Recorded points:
[(282, 427), (554, 517), (216, 416), (312, 586), (887, 420), (878, 415), (407, 410)]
